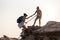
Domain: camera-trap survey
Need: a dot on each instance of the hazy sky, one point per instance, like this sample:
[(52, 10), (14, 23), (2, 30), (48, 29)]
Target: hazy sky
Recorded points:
[(10, 10)]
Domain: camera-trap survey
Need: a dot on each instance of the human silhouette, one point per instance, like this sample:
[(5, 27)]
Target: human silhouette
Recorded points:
[(21, 20), (38, 16)]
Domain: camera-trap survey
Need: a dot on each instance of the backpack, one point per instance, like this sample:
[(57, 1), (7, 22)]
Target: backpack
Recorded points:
[(19, 20)]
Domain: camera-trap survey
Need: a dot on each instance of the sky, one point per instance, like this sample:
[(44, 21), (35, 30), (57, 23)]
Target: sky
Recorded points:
[(10, 10)]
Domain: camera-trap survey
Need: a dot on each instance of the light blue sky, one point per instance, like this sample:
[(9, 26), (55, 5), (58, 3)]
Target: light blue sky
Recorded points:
[(10, 10)]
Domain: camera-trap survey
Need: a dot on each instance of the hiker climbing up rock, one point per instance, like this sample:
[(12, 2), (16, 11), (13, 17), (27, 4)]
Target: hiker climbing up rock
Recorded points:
[(21, 21)]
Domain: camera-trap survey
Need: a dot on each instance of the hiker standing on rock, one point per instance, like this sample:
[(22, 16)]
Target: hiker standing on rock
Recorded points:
[(21, 21), (39, 15)]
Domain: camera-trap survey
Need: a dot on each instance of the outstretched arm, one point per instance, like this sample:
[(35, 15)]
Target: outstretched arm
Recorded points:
[(31, 15)]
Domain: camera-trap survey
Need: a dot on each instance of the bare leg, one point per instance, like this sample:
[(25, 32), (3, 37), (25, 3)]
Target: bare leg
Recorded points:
[(39, 21), (23, 28), (35, 21)]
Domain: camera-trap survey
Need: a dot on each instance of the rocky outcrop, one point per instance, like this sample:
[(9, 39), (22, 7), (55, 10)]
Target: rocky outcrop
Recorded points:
[(30, 34), (47, 32), (51, 26), (7, 38), (50, 31)]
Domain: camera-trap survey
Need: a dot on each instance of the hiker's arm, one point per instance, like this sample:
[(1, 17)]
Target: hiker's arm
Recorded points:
[(31, 15)]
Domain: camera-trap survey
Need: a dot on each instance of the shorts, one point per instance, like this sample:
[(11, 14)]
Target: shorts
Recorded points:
[(21, 24), (38, 17)]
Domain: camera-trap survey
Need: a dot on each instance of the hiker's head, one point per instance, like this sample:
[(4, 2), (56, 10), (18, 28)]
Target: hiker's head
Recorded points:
[(37, 7), (25, 15)]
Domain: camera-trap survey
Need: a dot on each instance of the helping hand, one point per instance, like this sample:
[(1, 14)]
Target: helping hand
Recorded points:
[(26, 22)]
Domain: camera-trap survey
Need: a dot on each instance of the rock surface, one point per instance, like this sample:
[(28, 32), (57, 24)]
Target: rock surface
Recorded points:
[(51, 29)]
